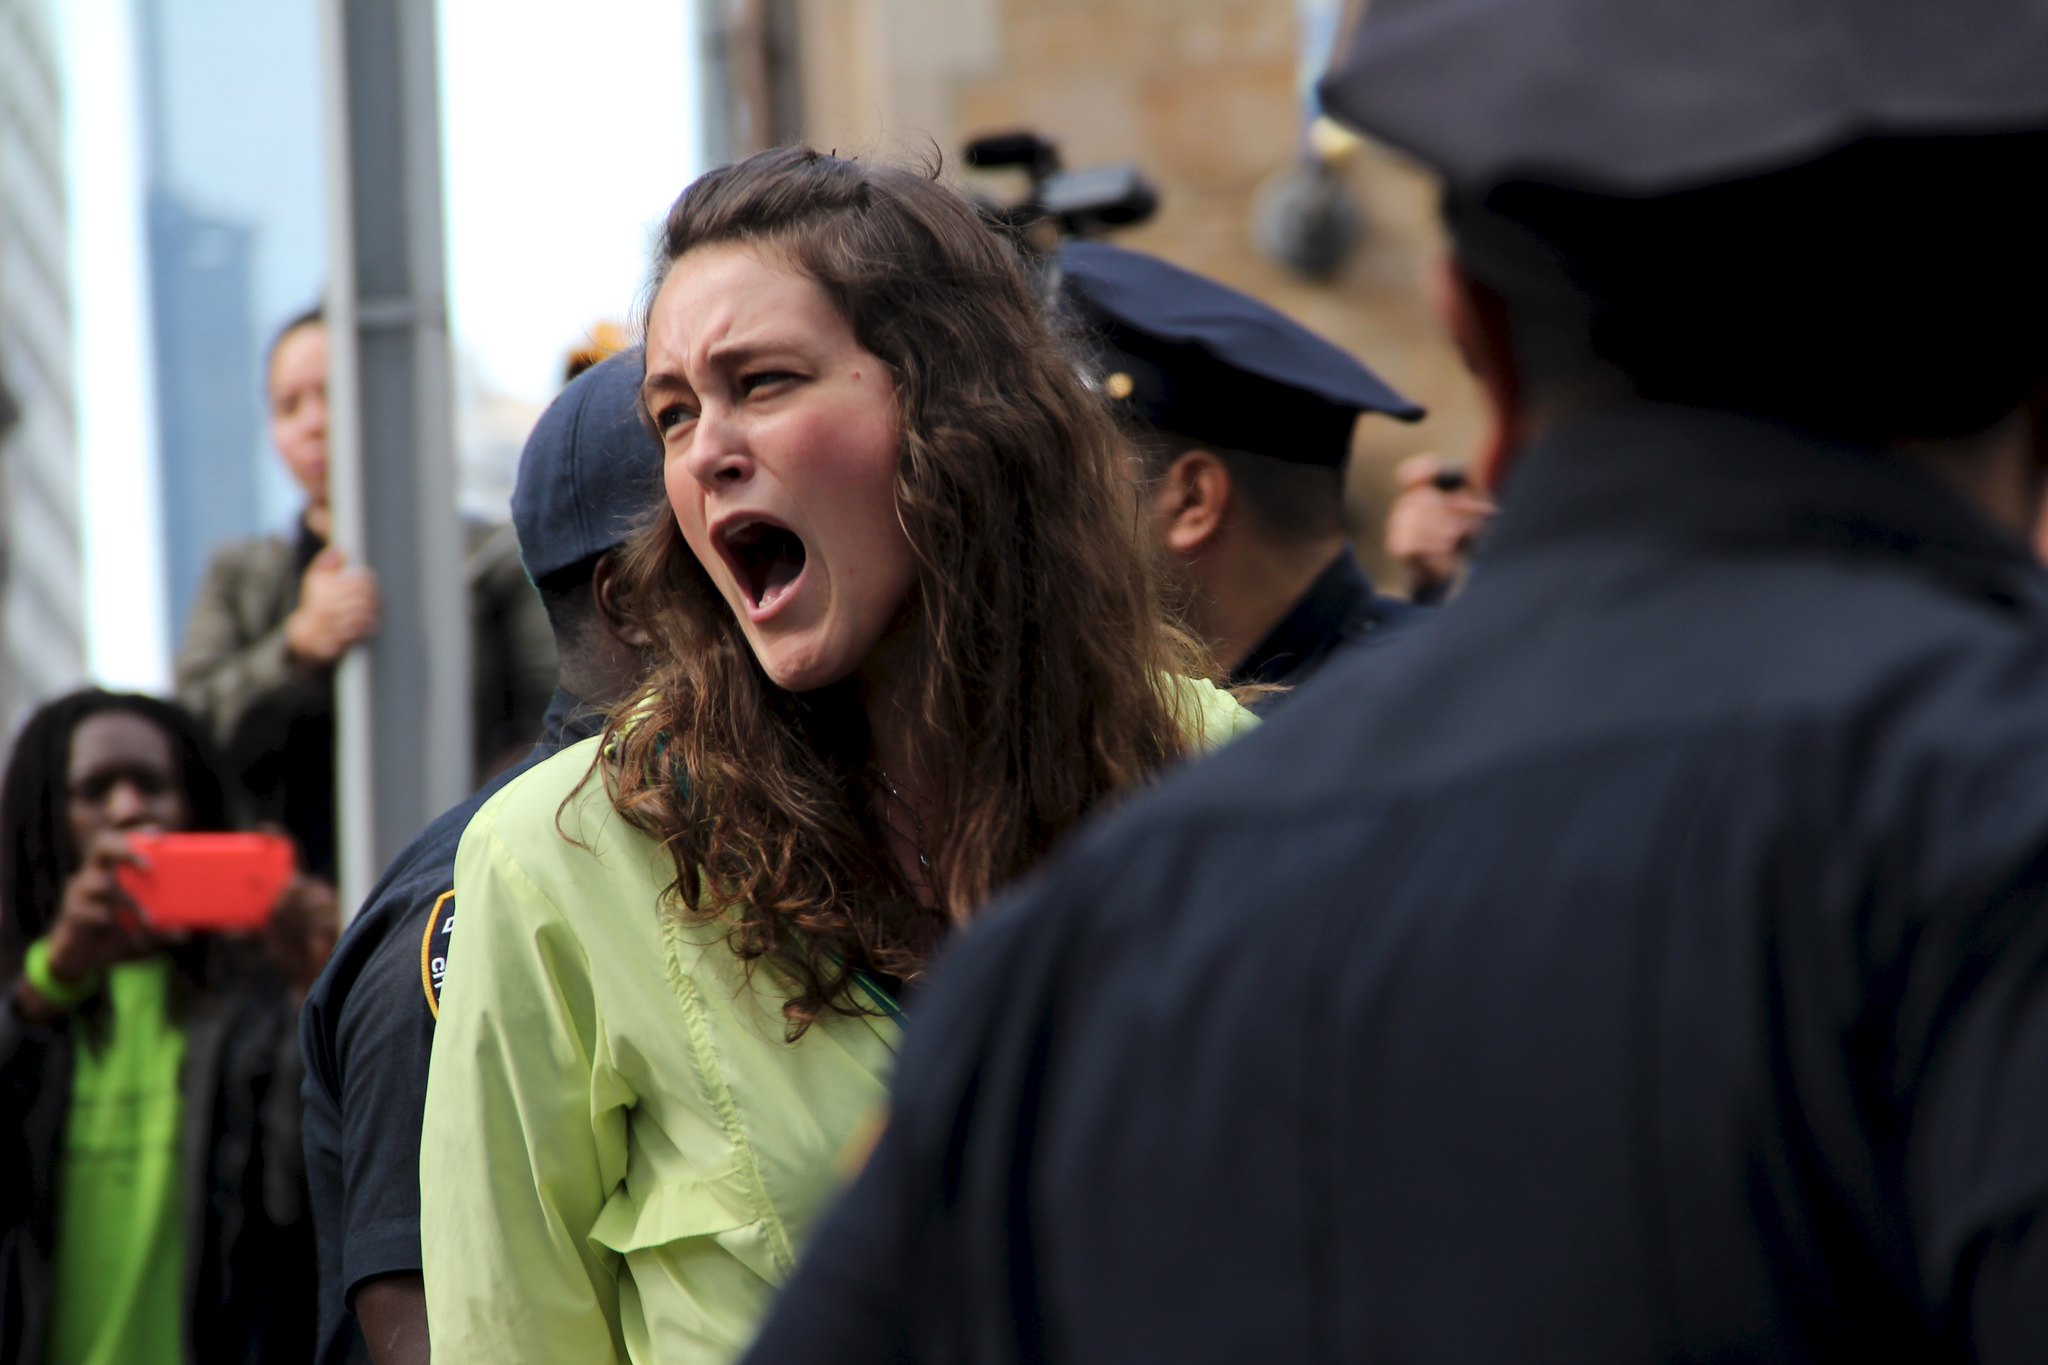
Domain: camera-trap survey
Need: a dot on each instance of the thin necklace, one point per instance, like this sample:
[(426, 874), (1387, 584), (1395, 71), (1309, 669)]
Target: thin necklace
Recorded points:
[(917, 830)]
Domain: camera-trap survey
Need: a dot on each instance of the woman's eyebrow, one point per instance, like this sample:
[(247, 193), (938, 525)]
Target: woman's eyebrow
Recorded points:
[(659, 381), (726, 355), (736, 354)]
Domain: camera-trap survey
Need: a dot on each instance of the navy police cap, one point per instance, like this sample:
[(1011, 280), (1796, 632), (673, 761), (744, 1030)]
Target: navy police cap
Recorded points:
[(1182, 354), (1652, 97), (590, 470)]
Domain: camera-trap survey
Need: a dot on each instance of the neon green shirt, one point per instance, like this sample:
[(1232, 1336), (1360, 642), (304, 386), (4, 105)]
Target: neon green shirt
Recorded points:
[(120, 1272), (621, 1155)]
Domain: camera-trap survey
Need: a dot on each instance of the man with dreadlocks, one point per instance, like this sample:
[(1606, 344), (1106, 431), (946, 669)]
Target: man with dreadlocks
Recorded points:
[(152, 1205)]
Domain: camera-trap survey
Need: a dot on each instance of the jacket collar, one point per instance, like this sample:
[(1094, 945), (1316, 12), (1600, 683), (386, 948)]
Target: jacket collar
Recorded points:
[(1312, 627), (1687, 476), (569, 720)]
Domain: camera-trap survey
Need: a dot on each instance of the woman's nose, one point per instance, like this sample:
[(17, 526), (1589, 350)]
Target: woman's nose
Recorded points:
[(718, 454)]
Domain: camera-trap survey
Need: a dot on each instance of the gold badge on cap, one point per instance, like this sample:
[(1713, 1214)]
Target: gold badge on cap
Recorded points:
[(1119, 386)]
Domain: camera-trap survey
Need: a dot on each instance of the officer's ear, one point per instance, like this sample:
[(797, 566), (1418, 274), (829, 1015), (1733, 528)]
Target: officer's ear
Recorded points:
[(2035, 411), (608, 591), (1191, 502), (1477, 319)]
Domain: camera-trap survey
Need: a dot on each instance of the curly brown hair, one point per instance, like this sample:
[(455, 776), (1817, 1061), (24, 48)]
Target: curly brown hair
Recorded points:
[(1045, 667)]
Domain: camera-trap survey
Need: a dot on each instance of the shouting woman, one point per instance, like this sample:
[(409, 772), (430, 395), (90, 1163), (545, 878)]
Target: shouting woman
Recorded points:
[(907, 638)]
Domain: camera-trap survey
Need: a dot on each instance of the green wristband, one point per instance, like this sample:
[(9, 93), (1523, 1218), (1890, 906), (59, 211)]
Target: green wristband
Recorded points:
[(35, 969)]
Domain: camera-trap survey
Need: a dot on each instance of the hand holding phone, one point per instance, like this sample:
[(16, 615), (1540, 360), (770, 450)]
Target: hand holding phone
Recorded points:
[(209, 882), (96, 925)]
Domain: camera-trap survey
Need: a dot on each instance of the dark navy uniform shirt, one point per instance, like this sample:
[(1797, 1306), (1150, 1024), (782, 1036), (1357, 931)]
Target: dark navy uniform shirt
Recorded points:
[(1340, 608), (367, 1031), (1647, 962)]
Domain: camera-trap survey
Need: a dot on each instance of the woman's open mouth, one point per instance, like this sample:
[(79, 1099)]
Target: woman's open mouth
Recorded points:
[(766, 559)]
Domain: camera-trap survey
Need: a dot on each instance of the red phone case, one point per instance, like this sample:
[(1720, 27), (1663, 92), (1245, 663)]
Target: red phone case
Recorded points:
[(207, 881)]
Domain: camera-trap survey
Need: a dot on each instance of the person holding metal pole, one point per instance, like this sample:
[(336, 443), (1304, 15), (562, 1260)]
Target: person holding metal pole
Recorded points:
[(275, 616)]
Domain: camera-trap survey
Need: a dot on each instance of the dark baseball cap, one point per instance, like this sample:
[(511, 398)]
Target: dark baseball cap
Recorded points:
[(1180, 353), (590, 470)]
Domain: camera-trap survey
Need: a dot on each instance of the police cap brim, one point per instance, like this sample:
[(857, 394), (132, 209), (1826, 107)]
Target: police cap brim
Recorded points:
[(1647, 97), (1182, 354)]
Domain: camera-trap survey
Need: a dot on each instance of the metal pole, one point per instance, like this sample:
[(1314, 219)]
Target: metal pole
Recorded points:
[(404, 731)]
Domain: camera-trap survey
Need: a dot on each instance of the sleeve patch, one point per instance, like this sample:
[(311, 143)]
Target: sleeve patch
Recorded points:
[(434, 949)]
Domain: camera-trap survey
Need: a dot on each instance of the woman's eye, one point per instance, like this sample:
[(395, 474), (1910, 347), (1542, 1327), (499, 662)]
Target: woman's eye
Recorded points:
[(764, 379), (669, 418)]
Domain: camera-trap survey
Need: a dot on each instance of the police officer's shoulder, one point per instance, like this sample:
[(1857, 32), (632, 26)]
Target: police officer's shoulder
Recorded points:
[(1382, 617), (413, 910), (411, 904), (1964, 738)]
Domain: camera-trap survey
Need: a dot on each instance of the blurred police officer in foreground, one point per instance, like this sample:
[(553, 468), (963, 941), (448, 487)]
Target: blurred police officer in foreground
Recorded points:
[(589, 469), (1241, 420), (1648, 961)]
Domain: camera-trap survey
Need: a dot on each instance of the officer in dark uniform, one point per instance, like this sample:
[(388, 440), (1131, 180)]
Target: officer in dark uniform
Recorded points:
[(1649, 960), (1241, 419), (589, 470)]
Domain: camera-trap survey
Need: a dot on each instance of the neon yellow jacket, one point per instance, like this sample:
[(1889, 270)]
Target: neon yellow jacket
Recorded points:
[(621, 1155)]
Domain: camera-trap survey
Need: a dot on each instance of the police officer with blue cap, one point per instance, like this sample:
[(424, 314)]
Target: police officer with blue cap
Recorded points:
[(589, 472), (1241, 420), (1649, 960)]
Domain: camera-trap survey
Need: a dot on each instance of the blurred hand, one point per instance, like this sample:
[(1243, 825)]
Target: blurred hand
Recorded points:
[(97, 925), (300, 935), (1430, 529), (338, 608)]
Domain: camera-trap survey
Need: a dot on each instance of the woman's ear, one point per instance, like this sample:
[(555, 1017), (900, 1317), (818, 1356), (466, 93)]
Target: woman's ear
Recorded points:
[(1477, 319), (1191, 501)]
